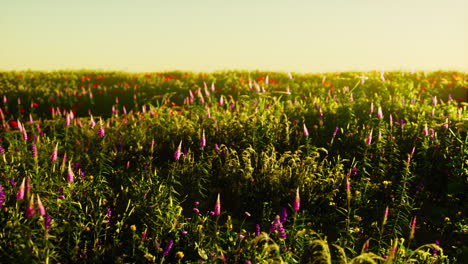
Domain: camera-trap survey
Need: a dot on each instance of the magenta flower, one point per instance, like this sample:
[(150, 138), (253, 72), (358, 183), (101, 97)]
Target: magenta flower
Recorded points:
[(425, 130), (385, 216), (101, 132), (168, 247), (40, 206), (306, 131), (30, 210), (413, 227), (337, 128), (217, 208), (54, 154), (2, 196), (70, 174), (203, 139), (379, 113), (446, 124), (178, 151), (297, 201), (92, 122), (257, 230), (283, 215), (369, 138), (20, 193)]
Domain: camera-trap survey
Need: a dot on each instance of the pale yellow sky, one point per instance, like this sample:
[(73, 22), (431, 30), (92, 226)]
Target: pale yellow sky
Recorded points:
[(207, 35)]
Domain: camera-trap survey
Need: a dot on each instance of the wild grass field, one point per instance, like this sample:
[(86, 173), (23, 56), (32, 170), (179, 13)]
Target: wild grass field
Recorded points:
[(233, 167)]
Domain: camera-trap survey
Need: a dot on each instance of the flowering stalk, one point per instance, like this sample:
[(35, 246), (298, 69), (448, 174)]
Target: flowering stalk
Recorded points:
[(30, 209), (425, 130), (2, 196), (203, 139), (54, 154), (306, 131), (168, 247), (369, 138), (217, 208), (70, 174), (40, 206), (297, 201), (379, 113), (20, 193), (178, 151)]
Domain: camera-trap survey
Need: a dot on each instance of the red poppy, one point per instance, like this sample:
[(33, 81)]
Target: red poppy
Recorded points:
[(35, 104), (13, 123), (22, 110)]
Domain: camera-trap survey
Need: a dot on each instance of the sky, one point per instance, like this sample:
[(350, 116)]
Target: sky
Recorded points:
[(211, 35)]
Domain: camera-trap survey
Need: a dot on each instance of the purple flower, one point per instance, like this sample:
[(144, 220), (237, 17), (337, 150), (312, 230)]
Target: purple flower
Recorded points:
[(168, 247), (278, 226), (12, 182), (2, 150), (108, 216), (2, 196), (47, 222), (257, 230), (337, 128), (33, 150), (283, 215)]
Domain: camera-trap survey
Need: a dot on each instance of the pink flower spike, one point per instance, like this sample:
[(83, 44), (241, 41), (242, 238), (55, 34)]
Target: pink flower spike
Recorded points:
[(54, 155), (20, 193), (369, 138), (385, 216), (446, 124), (425, 130), (297, 201), (30, 209), (306, 131), (70, 174), (203, 139), (40, 206), (178, 151), (379, 113), (217, 208)]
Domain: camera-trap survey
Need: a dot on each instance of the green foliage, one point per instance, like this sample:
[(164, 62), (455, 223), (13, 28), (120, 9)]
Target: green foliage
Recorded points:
[(136, 198)]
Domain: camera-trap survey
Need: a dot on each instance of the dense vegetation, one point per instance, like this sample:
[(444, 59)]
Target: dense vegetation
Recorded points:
[(235, 167)]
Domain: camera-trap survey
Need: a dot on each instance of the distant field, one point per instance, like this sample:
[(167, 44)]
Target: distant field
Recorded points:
[(235, 167)]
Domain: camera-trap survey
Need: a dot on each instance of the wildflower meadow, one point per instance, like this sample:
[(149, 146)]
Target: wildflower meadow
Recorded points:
[(233, 167)]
